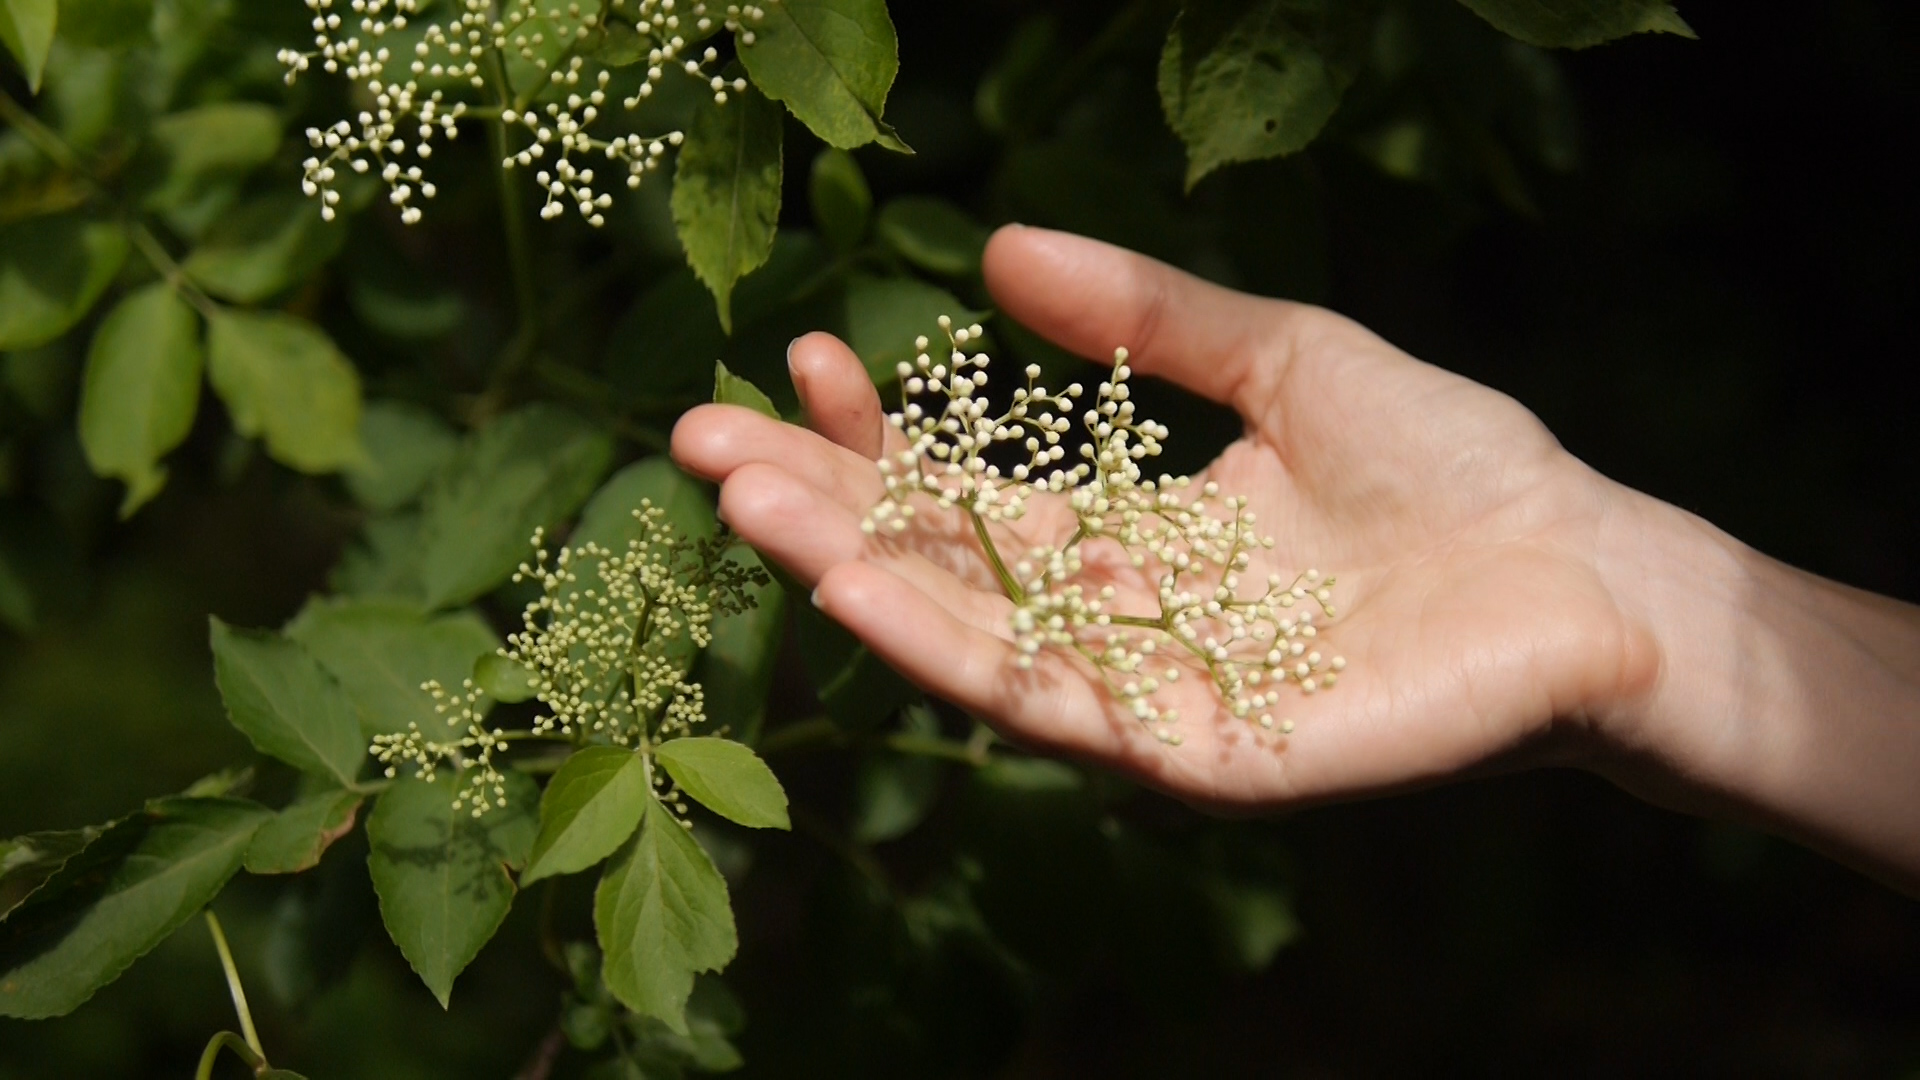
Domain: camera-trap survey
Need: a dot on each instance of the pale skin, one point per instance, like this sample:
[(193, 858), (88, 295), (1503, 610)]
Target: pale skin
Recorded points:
[(1502, 605)]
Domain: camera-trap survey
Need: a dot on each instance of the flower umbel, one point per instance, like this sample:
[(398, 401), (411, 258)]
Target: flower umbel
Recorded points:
[(1253, 635), (608, 643), (446, 68)]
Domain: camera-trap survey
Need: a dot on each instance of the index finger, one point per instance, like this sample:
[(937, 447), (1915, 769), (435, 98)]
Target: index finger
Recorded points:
[(1092, 297)]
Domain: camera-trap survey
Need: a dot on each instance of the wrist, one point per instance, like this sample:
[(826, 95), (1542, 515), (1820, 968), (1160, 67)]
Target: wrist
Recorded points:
[(1780, 699)]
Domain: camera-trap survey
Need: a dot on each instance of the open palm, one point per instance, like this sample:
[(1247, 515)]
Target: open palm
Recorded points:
[(1475, 624)]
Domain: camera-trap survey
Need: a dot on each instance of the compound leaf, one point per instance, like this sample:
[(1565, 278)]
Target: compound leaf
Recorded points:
[(590, 808), (141, 390), (663, 916), (726, 192), (102, 912), (728, 779), (441, 873)]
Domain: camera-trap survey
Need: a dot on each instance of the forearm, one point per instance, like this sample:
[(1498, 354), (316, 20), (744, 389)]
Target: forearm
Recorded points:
[(1783, 699)]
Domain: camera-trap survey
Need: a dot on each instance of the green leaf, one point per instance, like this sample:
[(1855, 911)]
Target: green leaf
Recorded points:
[(831, 62), (527, 470), (278, 696), (1245, 81), (728, 779), (406, 445), (55, 953), (1576, 24), (663, 916), (933, 234), (106, 24), (381, 651), (441, 873), (52, 269), (608, 518), (662, 352), (726, 192), (16, 596), (26, 27), (28, 862), (297, 836), (858, 690), (886, 314), (192, 151), (736, 670), (383, 561), (616, 44), (841, 200), (284, 381), (892, 793), (264, 248), (1254, 922), (505, 680), (590, 808), (141, 390), (731, 389)]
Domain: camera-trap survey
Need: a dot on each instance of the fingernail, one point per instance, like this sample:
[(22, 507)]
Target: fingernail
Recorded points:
[(814, 596), (790, 346)]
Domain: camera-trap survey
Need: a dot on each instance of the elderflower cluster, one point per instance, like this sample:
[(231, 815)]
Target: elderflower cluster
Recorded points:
[(604, 655), (608, 652), (1252, 634), (469, 745), (412, 77)]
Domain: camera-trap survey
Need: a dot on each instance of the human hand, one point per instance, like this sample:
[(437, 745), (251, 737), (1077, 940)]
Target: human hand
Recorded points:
[(1479, 632)]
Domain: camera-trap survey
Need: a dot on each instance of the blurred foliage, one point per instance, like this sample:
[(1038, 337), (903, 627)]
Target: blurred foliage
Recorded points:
[(1691, 258)]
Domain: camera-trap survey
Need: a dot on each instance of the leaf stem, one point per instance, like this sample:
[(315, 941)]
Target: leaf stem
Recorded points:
[(239, 992), (968, 753), (40, 135), (229, 1041), (171, 271)]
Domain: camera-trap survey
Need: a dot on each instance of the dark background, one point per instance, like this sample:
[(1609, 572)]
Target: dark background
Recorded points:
[(1707, 294)]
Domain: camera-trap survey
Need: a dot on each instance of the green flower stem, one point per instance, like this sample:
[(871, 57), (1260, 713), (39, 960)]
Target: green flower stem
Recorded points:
[(519, 251), (229, 1041), (239, 995), (1011, 587)]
